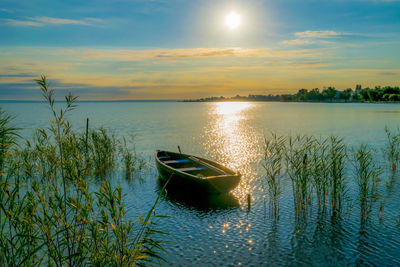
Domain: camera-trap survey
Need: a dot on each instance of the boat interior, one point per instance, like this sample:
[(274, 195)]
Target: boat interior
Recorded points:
[(190, 165)]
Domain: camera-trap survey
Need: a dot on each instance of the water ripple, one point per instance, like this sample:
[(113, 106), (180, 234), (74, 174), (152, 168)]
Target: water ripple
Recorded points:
[(222, 232)]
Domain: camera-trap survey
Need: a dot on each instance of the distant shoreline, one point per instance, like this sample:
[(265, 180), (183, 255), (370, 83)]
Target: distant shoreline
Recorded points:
[(198, 101), (386, 94), (280, 101), (305, 102)]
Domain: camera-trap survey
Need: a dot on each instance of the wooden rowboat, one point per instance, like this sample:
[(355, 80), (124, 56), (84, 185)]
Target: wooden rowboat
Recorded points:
[(195, 173)]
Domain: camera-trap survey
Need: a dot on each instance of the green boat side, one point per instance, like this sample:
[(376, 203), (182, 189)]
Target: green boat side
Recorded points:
[(195, 173)]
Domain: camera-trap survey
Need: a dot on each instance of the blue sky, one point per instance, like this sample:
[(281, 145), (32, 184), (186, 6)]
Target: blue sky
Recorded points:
[(169, 49)]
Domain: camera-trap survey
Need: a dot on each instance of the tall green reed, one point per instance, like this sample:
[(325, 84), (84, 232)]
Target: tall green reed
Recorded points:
[(298, 169), (367, 176), (18, 237), (273, 165), (315, 167), (102, 149), (320, 171), (337, 154), (392, 149), (8, 135), (130, 159), (49, 211)]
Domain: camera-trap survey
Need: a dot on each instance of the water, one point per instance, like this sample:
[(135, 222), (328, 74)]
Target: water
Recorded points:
[(220, 230)]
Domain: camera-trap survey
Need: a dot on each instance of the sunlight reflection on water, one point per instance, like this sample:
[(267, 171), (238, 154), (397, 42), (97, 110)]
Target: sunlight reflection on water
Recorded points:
[(231, 142)]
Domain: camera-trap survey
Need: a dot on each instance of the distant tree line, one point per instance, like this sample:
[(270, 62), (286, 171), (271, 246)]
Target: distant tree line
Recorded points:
[(327, 94), (384, 94)]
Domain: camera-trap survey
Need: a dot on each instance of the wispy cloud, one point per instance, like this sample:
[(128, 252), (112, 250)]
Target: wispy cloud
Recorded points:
[(43, 21), (306, 42), (49, 20), (188, 53), (297, 42), (320, 34), (15, 22), (322, 37)]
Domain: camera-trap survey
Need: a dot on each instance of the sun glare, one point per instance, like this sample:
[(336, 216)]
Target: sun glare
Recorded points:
[(233, 20), (231, 108)]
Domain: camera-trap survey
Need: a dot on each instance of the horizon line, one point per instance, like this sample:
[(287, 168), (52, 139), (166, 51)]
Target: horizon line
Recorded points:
[(104, 100)]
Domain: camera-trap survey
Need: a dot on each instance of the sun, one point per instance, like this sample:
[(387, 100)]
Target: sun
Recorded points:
[(233, 20)]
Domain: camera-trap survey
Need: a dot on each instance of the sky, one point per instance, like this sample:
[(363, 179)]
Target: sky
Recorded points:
[(176, 49)]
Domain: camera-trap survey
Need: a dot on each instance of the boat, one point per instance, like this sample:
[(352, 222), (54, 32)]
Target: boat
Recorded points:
[(195, 173)]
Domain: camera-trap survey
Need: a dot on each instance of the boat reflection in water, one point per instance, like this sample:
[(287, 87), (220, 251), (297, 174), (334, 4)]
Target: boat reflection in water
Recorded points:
[(197, 199)]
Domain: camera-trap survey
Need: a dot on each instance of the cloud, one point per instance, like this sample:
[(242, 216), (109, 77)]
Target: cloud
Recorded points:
[(101, 73), (43, 21), (144, 74), (320, 34), (323, 37), (49, 20), (14, 22), (297, 42), (171, 55), (305, 42), (199, 53)]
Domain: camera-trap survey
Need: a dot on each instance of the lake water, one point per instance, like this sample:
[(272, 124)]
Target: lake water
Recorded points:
[(221, 231)]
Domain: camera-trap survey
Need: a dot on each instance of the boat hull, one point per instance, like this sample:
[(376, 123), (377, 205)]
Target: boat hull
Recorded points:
[(216, 184)]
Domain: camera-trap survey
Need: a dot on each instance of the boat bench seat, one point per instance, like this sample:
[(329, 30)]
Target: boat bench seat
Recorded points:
[(192, 169), (176, 161)]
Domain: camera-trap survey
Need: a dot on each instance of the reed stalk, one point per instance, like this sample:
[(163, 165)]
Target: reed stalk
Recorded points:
[(130, 159), (337, 161), (102, 151), (392, 149), (367, 176), (298, 169), (320, 172), (273, 165), (8, 136)]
